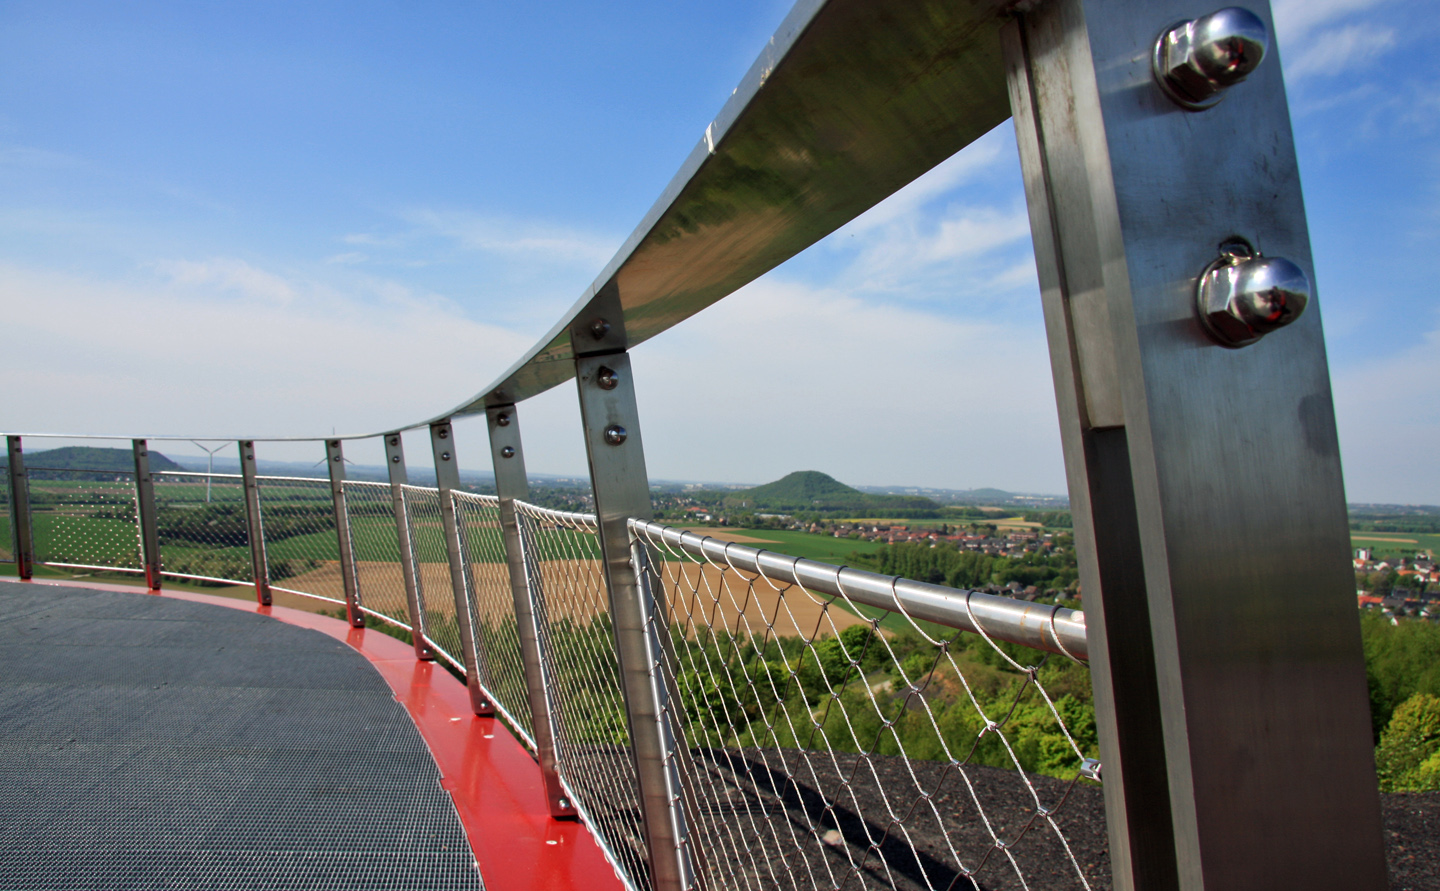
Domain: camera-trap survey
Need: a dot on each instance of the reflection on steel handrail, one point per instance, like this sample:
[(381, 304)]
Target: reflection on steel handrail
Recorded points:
[(1053, 629)]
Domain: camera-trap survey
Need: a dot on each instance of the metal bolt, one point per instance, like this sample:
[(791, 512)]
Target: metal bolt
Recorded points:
[(599, 328), (394, 459), (1195, 62), (1242, 296), (394, 440), (507, 452), (443, 433), (503, 419), (336, 459), (444, 456), (607, 378), (334, 443), (615, 434), (564, 804)]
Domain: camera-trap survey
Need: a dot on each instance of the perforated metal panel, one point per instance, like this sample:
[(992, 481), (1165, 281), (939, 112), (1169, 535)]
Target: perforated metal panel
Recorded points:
[(155, 743)]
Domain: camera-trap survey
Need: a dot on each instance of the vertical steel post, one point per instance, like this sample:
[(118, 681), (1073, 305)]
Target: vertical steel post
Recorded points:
[(22, 536), (395, 461), (335, 460), (510, 484), (447, 479), (622, 490), (1205, 482), (145, 519), (254, 524)]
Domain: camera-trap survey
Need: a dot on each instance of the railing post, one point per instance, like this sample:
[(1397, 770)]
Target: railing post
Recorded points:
[(622, 490), (254, 525), (510, 484), (1205, 483), (395, 462), (447, 479), (145, 519), (22, 535), (335, 460)]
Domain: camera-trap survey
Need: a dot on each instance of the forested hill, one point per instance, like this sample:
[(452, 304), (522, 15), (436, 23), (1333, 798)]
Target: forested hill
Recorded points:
[(810, 490), (86, 458)]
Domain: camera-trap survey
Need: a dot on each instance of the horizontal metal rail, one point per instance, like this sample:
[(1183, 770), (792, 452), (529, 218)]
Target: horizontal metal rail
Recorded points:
[(569, 518), (189, 474), (1053, 629)]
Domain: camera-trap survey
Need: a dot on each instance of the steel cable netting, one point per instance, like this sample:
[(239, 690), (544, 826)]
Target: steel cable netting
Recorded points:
[(432, 572), (84, 519), (375, 544), (592, 738), (200, 522), (302, 551), (497, 639), (830, 745)]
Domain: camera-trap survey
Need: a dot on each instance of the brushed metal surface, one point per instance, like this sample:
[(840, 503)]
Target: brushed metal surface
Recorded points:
[(399, 476), (510, 484), (447, 479), (1233, 463), (145, 517), (349, 580), (622, 492), (22, 539), (254, 523)]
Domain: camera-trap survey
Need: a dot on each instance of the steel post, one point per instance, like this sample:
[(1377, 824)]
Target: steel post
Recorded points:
[(622, 491), (1205, 481), (447, 479), (335, 460), (22, 536), (254, 524), (395, 462), (510, 484), (145, 519)]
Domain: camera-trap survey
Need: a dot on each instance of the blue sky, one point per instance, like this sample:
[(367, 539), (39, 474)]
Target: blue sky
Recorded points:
[(283, 219)]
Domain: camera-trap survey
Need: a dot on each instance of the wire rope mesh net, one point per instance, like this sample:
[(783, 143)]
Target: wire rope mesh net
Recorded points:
[(432, 572), (592, 738), (297, 516), (200, 522), (84, 518), (831, 745), (497, 636), (375, 543)]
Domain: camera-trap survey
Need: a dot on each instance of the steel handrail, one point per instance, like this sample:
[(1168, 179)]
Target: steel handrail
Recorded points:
[(1053, 629)]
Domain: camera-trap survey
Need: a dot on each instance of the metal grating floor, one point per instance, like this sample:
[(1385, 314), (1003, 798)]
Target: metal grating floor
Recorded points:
[(149, 743)]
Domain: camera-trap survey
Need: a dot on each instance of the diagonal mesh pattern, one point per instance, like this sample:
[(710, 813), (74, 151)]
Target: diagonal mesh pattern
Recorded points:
[(831, 745), (432, 572), (503, 675), (592, 739), (200, 519), (370, 509), (297, 515), (84, 518)]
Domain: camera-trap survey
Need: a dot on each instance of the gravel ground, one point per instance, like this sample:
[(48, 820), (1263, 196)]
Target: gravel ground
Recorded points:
[(921, 849)]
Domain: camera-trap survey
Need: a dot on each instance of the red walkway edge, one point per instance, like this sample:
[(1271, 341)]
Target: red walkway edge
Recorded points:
[(495, 784)]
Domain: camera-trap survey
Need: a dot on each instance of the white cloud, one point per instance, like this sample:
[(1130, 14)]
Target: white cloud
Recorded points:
[(1388, 413), (532, 240), (1295, 19), (1341, 49), (964, 166), (269, 357), (782, 377)]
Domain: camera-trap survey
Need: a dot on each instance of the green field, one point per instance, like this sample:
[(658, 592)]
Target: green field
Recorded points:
[(1396, 542)]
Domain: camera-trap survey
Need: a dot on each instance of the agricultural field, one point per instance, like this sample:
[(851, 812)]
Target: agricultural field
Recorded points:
[(1386, 543)]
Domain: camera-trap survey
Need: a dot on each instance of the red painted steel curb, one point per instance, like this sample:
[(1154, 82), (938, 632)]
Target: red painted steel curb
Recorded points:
[(495, 784)]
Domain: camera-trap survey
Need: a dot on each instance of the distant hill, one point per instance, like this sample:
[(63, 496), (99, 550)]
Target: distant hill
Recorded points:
[(811, 490), (102, 462)]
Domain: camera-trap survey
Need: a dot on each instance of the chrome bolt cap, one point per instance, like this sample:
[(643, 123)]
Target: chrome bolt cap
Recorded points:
[(615, 434), (1195, 62), (1242, 296)]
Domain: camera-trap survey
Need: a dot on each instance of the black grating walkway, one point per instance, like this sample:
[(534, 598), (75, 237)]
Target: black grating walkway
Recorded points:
[(150, 743)]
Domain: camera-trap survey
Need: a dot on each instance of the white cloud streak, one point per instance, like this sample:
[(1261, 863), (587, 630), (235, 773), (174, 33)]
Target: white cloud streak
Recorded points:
[(1342, 49)]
